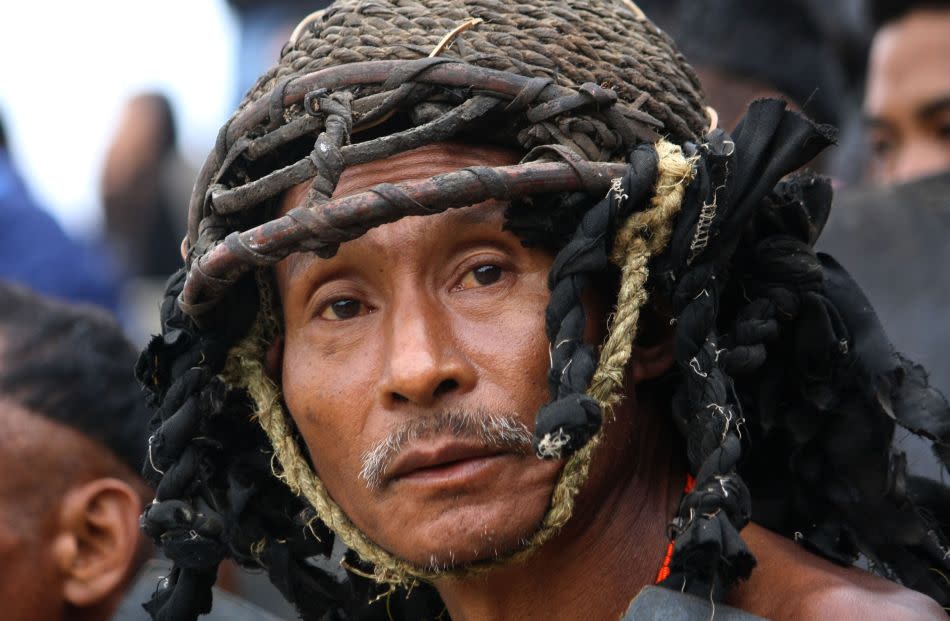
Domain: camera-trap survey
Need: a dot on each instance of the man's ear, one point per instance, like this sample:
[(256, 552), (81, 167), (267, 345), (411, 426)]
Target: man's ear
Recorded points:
[(651, 361), (652, 353), (274, 359), (97, 541)]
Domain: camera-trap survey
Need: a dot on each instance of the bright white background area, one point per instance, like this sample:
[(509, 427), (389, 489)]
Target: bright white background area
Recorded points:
[(66, 68)]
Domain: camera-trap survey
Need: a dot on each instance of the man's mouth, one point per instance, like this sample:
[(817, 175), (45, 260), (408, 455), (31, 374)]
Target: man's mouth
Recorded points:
[(449, 460)]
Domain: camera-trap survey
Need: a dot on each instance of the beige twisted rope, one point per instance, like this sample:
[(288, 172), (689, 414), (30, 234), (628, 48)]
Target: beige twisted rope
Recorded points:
[(644, 234), (244, 369)]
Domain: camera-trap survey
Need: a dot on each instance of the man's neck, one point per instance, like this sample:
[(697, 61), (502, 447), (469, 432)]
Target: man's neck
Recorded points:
[(612, 547)]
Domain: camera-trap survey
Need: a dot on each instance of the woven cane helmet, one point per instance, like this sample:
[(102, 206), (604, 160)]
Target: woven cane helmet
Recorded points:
[(622, 173)]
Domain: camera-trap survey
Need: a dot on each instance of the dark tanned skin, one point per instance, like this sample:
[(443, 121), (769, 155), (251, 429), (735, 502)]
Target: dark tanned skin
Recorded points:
[(907, 103), (447, 312), (69, 534)]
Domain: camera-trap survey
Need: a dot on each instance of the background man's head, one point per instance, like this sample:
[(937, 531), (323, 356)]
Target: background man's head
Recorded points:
[(72, 440), (907, 101), (748, 49)]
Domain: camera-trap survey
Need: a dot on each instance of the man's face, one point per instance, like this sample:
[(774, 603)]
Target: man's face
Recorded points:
[(415, 331), (907, 103)]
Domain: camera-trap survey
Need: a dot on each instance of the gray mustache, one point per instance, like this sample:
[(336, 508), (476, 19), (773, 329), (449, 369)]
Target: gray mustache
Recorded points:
[(495, 431)]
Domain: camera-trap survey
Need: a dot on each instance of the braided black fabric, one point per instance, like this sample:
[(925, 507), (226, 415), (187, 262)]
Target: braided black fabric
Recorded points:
[(734, 177), (208, 465), (571, 418), (780, 344), (778, 358)]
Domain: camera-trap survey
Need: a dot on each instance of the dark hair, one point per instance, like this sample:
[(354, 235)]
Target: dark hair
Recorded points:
[(883, 12), (164, 118), (782, 45), (73, 365)]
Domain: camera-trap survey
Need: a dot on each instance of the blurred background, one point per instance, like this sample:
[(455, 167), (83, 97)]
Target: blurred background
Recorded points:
[(108, 109), (68, 69)]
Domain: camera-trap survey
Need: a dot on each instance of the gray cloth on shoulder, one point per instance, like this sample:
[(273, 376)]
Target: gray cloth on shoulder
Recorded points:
[(655, 603), (226, 607)]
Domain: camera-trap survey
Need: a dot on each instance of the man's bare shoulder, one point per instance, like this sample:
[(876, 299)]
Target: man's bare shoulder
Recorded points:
[(790, 584)]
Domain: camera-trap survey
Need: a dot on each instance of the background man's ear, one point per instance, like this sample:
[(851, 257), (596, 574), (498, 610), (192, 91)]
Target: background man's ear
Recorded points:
[(274, 359), (98, 540)]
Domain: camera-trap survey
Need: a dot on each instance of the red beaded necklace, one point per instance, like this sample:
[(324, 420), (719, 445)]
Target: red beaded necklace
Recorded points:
[(665, 567)]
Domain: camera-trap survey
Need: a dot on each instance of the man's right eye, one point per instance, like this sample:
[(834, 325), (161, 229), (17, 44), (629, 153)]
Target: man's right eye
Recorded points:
[(345, 308), (881, 147)]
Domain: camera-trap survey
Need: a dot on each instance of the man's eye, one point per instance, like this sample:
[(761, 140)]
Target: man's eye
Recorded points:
[(342, 309), (481, 276)]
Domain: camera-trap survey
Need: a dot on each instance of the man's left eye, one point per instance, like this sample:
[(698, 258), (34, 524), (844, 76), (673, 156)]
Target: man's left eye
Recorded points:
[(481, 276)]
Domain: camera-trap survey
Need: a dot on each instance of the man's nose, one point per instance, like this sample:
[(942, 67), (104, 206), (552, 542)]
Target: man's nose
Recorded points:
[(425, 363), (920, 158)]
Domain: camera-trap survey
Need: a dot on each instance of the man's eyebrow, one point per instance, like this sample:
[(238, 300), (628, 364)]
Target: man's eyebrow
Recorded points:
[(934, 107)]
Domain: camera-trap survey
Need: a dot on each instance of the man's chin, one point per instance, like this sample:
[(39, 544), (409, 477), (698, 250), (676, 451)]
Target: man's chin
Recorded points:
[(464, 550), (460, 559)]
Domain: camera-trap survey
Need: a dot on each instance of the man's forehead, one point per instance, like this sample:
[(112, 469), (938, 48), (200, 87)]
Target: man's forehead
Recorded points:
[(900, 85), (421, 163), (914, 46)]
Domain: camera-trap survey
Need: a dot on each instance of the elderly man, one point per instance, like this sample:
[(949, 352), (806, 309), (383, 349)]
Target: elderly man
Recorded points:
[(477, 302), (907, 101)]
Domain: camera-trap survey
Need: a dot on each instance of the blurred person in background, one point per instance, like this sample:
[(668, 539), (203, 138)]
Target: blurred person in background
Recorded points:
[(146, 184), (72, 445), (145, 187), (907, 99), (891, 233), (36, 252)]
